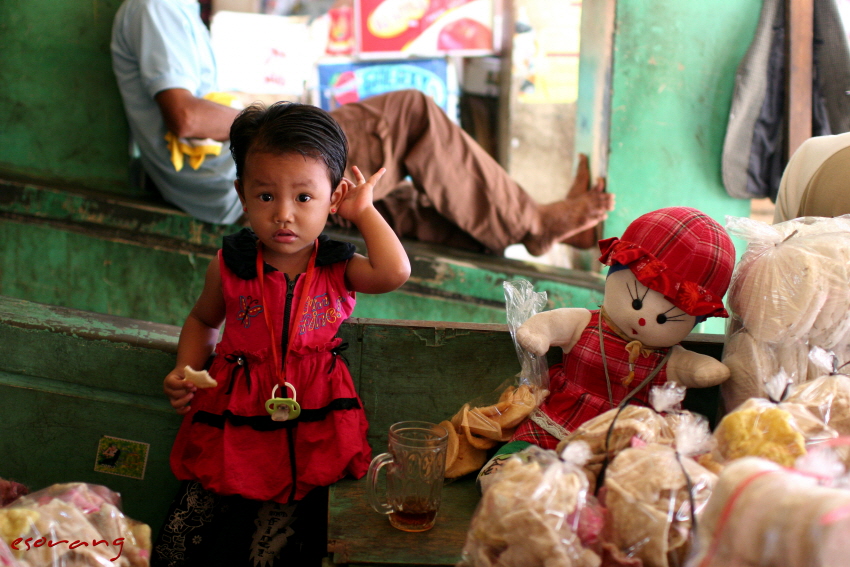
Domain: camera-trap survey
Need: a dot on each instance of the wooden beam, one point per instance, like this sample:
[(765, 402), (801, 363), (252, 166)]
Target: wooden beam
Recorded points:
[(800, 26), (593, 114)]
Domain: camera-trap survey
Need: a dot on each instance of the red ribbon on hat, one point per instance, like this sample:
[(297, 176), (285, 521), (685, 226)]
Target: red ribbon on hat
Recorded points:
[(655, 274)]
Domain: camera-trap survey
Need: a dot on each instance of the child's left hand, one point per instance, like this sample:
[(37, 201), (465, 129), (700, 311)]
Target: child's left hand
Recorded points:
[(357, 198)]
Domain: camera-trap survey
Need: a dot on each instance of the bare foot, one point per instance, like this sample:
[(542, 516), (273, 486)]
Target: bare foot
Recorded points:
[(573, 220), (581, 184)]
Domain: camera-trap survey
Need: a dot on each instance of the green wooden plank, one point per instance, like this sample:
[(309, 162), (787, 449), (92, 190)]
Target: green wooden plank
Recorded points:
[(51, 437), (133, 220), (57, 354), (126, 258), (426, 372)]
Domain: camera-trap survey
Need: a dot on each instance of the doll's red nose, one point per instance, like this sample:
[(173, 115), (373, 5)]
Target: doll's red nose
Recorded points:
[(641, 321)]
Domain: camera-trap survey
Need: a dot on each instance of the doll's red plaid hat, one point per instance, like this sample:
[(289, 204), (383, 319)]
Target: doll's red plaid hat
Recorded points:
[(679, 252)]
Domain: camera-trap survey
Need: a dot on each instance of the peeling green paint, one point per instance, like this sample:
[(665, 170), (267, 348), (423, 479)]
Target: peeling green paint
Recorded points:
[(108, 255)]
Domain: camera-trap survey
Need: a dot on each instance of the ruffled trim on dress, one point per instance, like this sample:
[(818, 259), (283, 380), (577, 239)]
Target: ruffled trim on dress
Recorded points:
[(239, 251), (688, 296)]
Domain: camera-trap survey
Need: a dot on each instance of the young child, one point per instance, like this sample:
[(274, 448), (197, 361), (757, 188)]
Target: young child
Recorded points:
[(254, 483)]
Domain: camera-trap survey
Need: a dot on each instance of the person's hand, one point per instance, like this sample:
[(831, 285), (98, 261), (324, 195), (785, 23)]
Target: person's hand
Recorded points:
[(357, 197), (179, 391)]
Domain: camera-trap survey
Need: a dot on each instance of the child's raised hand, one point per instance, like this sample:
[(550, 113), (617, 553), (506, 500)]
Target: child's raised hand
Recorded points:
[(357, 197), (179, 391)]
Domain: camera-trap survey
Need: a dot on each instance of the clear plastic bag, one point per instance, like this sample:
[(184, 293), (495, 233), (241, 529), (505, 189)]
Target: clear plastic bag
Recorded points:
[(828, 398), (538, 512), (610, 433), (521, 302), (654, 494), (790, 293), (780, 432), (72, 524), (492, 418), (763, 514)]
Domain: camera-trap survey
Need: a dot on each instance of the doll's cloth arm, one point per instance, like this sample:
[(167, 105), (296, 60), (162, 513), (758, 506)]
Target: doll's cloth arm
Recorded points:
[(559, 327), (694, 370)]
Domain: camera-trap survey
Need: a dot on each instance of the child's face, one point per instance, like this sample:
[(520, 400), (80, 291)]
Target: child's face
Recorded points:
[(288, 198)]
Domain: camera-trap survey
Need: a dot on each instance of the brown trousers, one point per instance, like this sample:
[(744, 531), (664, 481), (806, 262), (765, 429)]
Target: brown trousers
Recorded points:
[(457, 194)]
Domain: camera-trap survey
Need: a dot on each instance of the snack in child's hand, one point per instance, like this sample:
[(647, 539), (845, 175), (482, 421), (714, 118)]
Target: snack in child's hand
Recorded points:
[(200, 378)]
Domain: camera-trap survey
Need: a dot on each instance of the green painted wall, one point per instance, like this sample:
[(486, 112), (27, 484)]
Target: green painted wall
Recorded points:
[(673, 76), (61, 117), (674, 67)]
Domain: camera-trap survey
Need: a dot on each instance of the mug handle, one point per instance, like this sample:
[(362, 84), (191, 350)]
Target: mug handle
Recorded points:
[(375, 466)]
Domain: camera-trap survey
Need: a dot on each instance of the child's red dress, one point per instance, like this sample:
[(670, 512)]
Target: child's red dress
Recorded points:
[(228, 441)]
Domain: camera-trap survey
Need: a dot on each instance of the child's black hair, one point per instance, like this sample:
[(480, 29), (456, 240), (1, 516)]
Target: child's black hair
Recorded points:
[(289, 127)]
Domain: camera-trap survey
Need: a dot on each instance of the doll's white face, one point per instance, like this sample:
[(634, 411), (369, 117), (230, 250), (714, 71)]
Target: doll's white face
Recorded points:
[(643, 314)]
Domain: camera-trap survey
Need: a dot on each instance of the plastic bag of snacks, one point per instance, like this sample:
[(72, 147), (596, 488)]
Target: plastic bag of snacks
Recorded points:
[(72, 524), (491, 419), (618, 429), (654, 495), (828, 398), (772, 428), (538, 512), (10, 491), (790, 292), (612, 432), (764, 514)]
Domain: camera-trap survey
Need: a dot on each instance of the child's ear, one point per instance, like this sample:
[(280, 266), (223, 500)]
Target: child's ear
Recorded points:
[(339, 193), (239, 191)]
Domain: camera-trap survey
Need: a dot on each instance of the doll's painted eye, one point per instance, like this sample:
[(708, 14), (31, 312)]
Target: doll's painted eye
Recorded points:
[(664, 318), (637, 300)]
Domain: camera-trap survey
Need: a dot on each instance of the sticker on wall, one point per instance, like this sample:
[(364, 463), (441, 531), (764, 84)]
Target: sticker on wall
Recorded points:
[(121, 457)]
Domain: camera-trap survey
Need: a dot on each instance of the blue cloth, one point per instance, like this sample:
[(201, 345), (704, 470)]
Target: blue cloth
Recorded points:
[(159, 45)]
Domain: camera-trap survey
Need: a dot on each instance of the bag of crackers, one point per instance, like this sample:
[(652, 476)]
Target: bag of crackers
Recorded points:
[(761, 513), (73, 524), (540, 513), (654, 495), (491, 419), (784, 425), (790, 293)]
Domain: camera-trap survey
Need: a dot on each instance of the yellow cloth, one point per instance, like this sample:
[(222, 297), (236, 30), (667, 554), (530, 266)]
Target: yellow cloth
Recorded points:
[(197, 149)]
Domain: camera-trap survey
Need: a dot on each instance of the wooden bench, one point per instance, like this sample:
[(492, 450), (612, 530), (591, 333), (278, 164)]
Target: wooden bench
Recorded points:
[(117, 255), (68, 378)]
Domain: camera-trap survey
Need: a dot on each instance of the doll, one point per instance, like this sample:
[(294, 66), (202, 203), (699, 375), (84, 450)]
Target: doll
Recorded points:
[(668, 272)]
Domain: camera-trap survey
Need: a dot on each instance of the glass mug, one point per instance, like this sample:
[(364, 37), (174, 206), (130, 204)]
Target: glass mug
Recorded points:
[(417, 465)]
